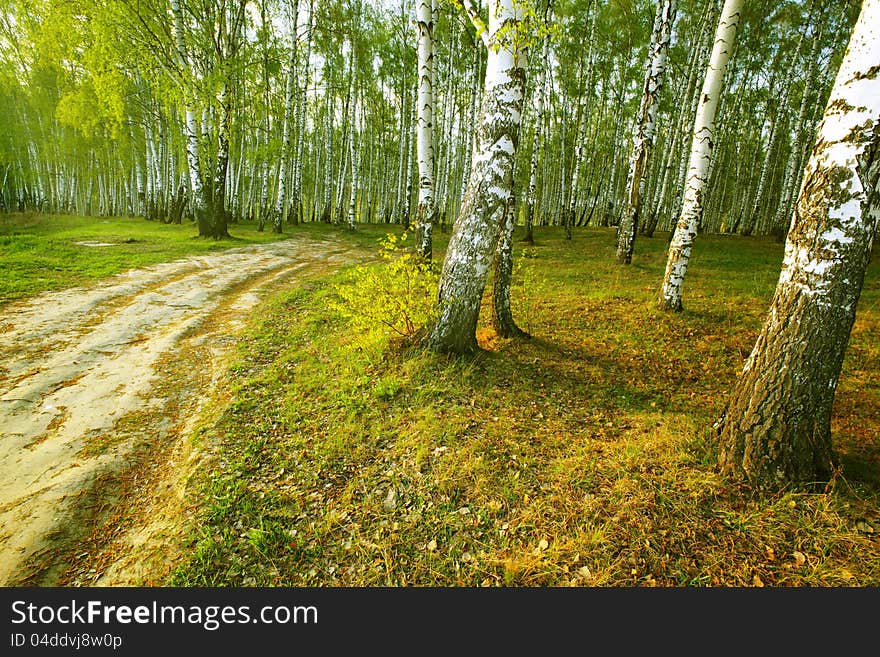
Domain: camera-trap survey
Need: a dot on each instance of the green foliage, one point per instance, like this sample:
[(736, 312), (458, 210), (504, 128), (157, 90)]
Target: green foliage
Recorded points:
[(396, 298)]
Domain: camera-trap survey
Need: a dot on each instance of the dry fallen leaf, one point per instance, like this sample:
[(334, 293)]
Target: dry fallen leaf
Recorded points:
[(800, 558), (865, 527)]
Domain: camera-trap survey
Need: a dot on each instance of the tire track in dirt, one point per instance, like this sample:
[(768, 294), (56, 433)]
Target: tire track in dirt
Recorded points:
[(81, 363)]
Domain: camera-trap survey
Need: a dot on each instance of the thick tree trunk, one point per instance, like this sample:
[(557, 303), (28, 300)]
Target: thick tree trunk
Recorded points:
[(701, 152), (475, 237), (777, 426), (646, 127), (219, 217)]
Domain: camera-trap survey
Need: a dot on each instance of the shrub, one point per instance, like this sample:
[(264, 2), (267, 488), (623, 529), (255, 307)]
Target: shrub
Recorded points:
[(396, 298)]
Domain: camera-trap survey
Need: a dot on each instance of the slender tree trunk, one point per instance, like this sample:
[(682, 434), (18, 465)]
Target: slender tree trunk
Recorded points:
[(791, 178), (540, 93), (425, 129), (777, 427), (502, 315), (352, 129), (469, 130), (302, 94), (327, 211), (283, 202), (408, 187), (199, 193), (701, 151), (646, 128)]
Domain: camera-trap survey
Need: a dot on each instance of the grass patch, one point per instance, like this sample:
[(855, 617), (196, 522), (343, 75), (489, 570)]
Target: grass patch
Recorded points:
[(51, 252), (583, 456)]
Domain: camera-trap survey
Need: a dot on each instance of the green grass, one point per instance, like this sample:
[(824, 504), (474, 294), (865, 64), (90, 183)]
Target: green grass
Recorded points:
[(583, 456), (41, 252)]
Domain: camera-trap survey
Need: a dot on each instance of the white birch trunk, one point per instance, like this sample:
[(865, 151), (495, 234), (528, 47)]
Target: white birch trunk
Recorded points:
[(198, 204), (646, 128), (540, 93), (297, 199), (327, 210), (791, 177), (283, 202), (468, 131), (474, 240), (777, 427), (701, 152), (425, 128), (352, 128)]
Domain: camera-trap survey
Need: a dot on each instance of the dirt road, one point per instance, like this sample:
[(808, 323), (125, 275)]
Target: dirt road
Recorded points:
[(97, 382)]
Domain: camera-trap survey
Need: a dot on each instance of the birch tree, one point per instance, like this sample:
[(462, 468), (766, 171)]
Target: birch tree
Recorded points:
[(196, 180), (425, 128), (540, 92), (297, 195), (646, 128), (777, 426), (701, 153), (475, 236), (283, 207), (791, 177)]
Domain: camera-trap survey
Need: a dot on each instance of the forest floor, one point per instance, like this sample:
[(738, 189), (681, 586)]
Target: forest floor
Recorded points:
[(98, 384), (584, 456), (262, 437)]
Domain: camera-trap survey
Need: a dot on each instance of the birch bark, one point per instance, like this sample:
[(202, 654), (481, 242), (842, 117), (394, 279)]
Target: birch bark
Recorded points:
[(283, 203), (425, 128), (646, 128), (701, 152), (475, 236), (777, 426)]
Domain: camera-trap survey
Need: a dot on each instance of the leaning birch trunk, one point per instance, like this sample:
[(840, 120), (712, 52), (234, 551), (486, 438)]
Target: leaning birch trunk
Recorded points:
[(475, 236), (283, 203), (701, 152), (646, 128), (425, 129), (777, 427)]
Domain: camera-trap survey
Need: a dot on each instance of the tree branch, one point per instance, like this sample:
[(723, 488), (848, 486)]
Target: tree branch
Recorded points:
[(478, 23)]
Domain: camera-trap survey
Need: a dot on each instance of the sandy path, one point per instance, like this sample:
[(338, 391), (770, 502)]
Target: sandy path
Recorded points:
[(76, 364)]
